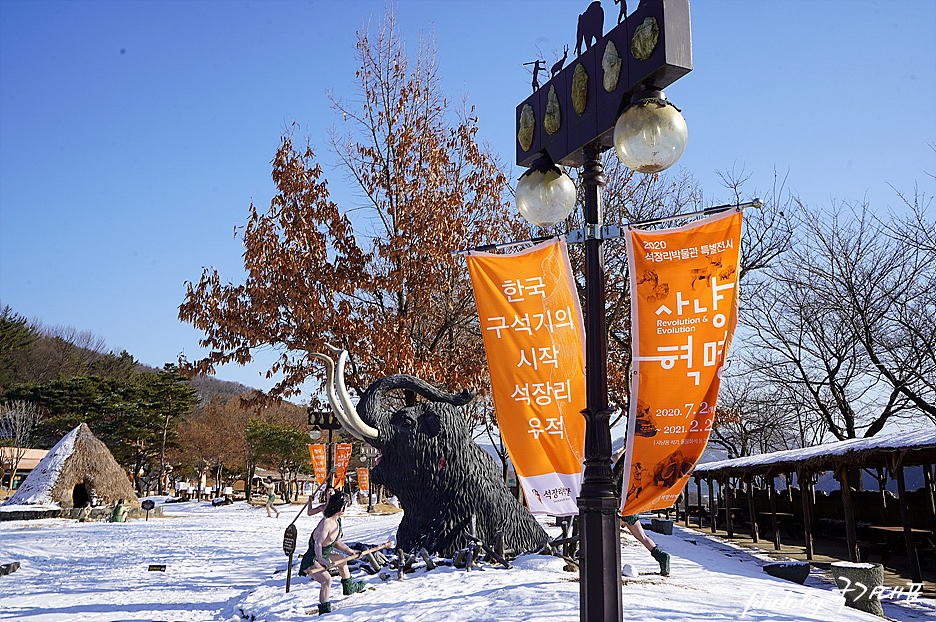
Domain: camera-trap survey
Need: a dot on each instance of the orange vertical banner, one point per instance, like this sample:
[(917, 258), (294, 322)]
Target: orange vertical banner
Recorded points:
[(684, 309), (342, 459), (317, 453), (531, 323), (363, 479)]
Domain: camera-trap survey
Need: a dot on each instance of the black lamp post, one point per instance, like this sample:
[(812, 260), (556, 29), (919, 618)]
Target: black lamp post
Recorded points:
[(370, 454), (610, 96), (325, 420)]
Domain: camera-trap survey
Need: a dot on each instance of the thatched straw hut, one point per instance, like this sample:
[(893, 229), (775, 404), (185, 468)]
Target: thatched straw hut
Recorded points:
[(79, 471)]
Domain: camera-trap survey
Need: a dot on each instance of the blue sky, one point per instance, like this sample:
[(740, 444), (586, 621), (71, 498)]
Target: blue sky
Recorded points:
[(134, 135)]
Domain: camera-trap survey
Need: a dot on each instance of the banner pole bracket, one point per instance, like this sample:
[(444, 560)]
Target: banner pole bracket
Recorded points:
[(608, 232), (594, 232)]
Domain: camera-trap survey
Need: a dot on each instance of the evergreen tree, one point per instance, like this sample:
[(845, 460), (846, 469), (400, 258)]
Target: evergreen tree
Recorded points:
[(167, 398), (15, 334), (137, 419)]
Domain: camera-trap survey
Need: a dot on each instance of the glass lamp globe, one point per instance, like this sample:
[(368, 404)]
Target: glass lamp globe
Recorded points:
[(650, 136), (315, 434), (545, 198)]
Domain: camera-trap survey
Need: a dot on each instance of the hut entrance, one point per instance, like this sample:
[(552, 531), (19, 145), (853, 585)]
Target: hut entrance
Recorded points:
[(80, 496)]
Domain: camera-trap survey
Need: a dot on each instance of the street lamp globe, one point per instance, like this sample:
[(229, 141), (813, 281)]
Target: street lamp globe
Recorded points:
[(315, 434), (651, 134), (545, 197)]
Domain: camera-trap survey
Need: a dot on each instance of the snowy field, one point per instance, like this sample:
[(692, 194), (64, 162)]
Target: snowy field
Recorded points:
[(227, 564)]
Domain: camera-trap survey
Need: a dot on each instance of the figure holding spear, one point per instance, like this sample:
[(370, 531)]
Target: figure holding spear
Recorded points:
[(289, 538), (324, 553), (537, 67)]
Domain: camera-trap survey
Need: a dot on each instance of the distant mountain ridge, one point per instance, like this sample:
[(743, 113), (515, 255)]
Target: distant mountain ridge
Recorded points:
[(34, 353), (208, 387)]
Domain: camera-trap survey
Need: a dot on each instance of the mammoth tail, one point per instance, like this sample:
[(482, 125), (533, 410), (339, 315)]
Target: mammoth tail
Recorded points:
[(370, 404)]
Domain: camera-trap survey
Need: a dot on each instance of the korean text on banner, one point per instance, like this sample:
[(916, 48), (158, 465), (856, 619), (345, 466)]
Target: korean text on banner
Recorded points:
[(684, 308), (363, 479), (533, 336), (317, 453), (342, 458)]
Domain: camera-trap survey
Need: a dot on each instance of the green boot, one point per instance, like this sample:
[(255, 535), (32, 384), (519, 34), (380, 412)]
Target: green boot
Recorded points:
[(350, 586), (324, 608), (663, 557)]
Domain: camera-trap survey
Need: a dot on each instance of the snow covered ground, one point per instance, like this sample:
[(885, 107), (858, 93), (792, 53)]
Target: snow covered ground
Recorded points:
[(227, 563)]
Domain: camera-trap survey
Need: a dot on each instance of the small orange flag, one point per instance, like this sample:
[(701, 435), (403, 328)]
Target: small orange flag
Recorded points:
[(342, 459), (317, 453), (363, 479)]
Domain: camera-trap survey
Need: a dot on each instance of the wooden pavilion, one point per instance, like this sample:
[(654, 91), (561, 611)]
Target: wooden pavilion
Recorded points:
[(887, 455)]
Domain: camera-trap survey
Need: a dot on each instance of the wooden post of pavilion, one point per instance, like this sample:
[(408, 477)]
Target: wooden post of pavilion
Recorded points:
[(688, 504), (752, 513), (850, 533), (729, 503), (915, 573), (930, 494), (713, 505), (806, 487), (772, 493), (698, 482), (882, 486)]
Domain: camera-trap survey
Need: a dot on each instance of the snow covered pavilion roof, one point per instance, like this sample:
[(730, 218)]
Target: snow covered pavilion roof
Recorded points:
[(914, 448)]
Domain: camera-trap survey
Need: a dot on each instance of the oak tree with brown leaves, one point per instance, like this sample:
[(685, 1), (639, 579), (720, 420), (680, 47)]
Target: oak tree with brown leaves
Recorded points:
[(383, 285)]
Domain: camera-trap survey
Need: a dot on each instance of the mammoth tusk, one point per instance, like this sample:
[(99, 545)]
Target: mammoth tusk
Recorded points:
[(341, 401), (354, 421), (330, 392), (333, 400)]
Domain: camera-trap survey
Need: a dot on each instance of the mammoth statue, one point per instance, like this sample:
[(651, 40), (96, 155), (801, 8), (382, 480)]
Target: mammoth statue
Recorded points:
[(590, 26), (429, 461)]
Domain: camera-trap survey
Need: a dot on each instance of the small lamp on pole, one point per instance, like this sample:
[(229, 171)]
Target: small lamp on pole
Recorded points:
[(650, 135), (545, 194)]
